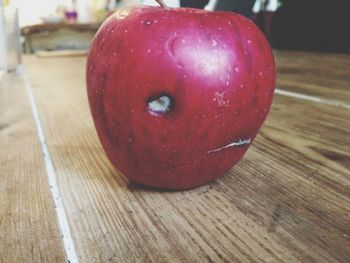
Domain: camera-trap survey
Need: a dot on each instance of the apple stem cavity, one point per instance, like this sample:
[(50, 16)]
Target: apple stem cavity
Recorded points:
[(161, 3), (160, 105)]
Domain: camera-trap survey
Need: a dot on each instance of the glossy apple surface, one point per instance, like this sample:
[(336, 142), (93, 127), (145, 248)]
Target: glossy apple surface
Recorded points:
[(178, 95)]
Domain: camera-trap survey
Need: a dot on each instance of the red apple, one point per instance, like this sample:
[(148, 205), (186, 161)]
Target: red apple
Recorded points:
[(177, 94)]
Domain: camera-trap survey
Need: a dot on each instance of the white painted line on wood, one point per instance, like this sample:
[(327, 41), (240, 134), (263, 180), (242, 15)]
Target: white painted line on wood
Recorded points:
[(312, 98), (51, 174)]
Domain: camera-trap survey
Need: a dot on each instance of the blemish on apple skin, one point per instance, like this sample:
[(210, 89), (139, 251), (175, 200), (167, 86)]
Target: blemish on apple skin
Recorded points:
[(256, 89), (214, 43), (219, 98), (240, 142), (255, 100), (147, 22), (236, 69)]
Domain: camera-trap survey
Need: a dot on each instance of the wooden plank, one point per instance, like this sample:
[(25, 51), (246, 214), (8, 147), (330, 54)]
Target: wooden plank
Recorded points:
[(28, 224), (319, 74), (287, 200)]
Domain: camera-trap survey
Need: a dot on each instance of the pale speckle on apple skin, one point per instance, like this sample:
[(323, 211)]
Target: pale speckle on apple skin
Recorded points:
[(236, 69), (219, 98), (214, 43)]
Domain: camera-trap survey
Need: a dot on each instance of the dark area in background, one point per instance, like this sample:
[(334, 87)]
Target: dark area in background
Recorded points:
[(194, 3), (314, 25), (243, 7)]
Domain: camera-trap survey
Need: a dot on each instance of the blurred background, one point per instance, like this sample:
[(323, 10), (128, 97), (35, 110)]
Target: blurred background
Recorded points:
[(40, 26)]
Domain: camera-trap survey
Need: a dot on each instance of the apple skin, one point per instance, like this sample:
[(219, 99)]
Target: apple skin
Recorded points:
[(217, 69)]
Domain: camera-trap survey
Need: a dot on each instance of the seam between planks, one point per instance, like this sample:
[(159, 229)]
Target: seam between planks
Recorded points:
[(51, 174), (312, 98)]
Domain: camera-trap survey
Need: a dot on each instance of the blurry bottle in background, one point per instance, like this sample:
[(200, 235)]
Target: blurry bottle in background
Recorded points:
[(3, 60), (84, 11), (10, 47)]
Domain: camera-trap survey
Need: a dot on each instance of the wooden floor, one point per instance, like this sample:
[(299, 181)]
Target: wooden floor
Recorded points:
[(288, 200)]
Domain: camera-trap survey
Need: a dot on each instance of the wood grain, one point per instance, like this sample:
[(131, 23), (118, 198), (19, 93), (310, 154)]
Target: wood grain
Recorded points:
[(319, 74), (288, 200), (28, 224)]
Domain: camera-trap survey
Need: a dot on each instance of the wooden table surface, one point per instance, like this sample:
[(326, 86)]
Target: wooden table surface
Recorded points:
[(288, 199)]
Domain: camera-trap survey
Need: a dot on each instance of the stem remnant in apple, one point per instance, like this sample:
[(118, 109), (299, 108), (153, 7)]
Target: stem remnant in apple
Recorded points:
[(161, 3), (161, 104)]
